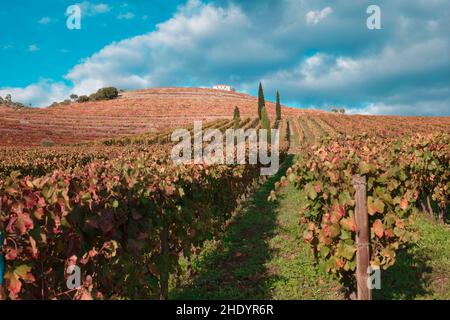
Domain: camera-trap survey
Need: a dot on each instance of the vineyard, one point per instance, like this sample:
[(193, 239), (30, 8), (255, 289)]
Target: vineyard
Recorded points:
[(108, 198), (407, 170), (112, 206), (133, 113)]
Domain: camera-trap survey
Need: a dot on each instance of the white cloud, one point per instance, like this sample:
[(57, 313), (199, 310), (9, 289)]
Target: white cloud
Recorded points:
[(126, 16), (92, 9), (33, 47), (427, 108), (158, 57), (354, 78), (38, 94), (314, 17), (46, 20), (397, 80)]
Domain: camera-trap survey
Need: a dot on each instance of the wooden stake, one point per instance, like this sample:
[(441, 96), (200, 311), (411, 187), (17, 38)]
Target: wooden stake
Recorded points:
[(362, 238)]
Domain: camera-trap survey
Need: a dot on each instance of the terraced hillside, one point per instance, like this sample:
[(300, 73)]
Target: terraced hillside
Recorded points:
[(152, 110), (310, 128), (133, 112)]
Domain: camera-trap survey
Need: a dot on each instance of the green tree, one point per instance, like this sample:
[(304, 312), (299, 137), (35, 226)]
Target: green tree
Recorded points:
[(83, 99), (237, 113), (265, 122), (107, 93), (236, 118), (278, 106), (261, 101)]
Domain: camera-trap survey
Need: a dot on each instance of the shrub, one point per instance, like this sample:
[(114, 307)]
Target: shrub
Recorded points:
[(107, 93), (47, 143), (83, 99), (9, 102)]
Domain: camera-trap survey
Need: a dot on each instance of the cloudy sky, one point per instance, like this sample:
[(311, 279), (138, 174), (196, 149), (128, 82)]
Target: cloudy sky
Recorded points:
[(317, 53)]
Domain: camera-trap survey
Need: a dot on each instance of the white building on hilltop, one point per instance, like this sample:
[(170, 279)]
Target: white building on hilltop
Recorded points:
[(224, 87)]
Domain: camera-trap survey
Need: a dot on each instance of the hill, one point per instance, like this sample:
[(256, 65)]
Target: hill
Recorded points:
[(134, 112), (152, 110)]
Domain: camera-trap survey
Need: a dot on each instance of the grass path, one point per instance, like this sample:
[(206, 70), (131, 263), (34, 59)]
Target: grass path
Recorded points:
[(260, 256), (295, 276)]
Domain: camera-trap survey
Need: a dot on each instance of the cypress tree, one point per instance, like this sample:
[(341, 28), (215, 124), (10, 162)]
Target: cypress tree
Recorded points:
[(265, 122), (278, 106), (261, 101), (236, 118), (237, 113)]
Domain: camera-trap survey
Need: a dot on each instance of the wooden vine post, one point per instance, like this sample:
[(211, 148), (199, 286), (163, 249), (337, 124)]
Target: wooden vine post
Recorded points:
[(362, 238)]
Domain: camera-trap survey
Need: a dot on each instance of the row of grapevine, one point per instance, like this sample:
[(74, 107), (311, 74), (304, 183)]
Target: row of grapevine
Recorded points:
[(284, 135), (314, 128), (384, 126), (400, 175), (296, 134), (159, 137), (309, 136), (108, 218), (251, 124), (39, 161), (324, 127)]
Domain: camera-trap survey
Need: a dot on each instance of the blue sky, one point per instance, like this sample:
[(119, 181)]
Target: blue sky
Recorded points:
[(42, 25), (317, 53)]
